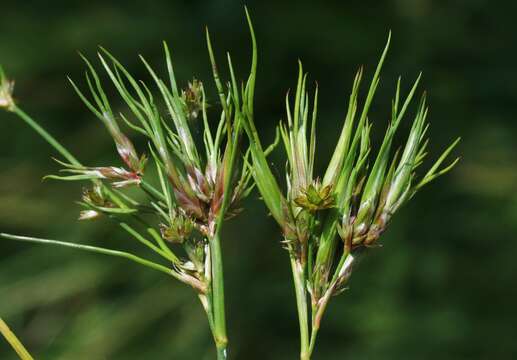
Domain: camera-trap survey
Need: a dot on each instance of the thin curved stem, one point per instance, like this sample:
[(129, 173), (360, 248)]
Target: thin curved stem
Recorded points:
[(45, 135), (69, 157), (147, 243), (58, 147), (95, 249)]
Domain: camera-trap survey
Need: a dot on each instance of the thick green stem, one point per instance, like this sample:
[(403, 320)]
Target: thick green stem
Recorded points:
[(220, 336), (301, 304)]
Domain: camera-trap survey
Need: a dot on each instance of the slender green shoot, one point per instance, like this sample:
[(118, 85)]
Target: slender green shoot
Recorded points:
[(15, 343)]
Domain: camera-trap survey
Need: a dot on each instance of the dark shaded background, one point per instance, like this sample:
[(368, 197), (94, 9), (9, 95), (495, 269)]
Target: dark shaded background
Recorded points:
[(442, 286)]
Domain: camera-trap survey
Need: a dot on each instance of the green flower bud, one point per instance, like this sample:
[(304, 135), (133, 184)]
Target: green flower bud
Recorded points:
[(179, 229), (315, 198), (94, 196), (193, 98)]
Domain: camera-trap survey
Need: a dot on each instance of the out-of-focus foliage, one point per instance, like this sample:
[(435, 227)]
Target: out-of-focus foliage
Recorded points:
[(443, 284)]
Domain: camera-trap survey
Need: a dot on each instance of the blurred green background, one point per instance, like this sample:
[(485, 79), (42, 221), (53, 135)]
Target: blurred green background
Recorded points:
[(443, 286)]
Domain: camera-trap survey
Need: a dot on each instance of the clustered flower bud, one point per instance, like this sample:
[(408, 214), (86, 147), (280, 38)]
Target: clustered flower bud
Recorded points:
[(94, 198), (201, 195), (362, 224), (192, 97), (178, 230), (315, 197)]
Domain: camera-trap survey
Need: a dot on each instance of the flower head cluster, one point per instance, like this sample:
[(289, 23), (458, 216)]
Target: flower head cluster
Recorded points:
[(195, 187), (358, 193), (197, 182)]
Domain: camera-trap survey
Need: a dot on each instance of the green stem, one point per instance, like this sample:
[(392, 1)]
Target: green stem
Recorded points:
[(14, 341), (319, 308), (314, 334), (222, 353), (45, 135), (206, 301), (147, 243), (152, 191), (57, 146), (301, 304), (66, 154), (220, 336), (172, 257), (95, 249), (215, 308), (214, 304)]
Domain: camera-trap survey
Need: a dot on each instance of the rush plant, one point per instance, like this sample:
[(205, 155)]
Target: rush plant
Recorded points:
[(197, 184), (326, 219), (195, 187)]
